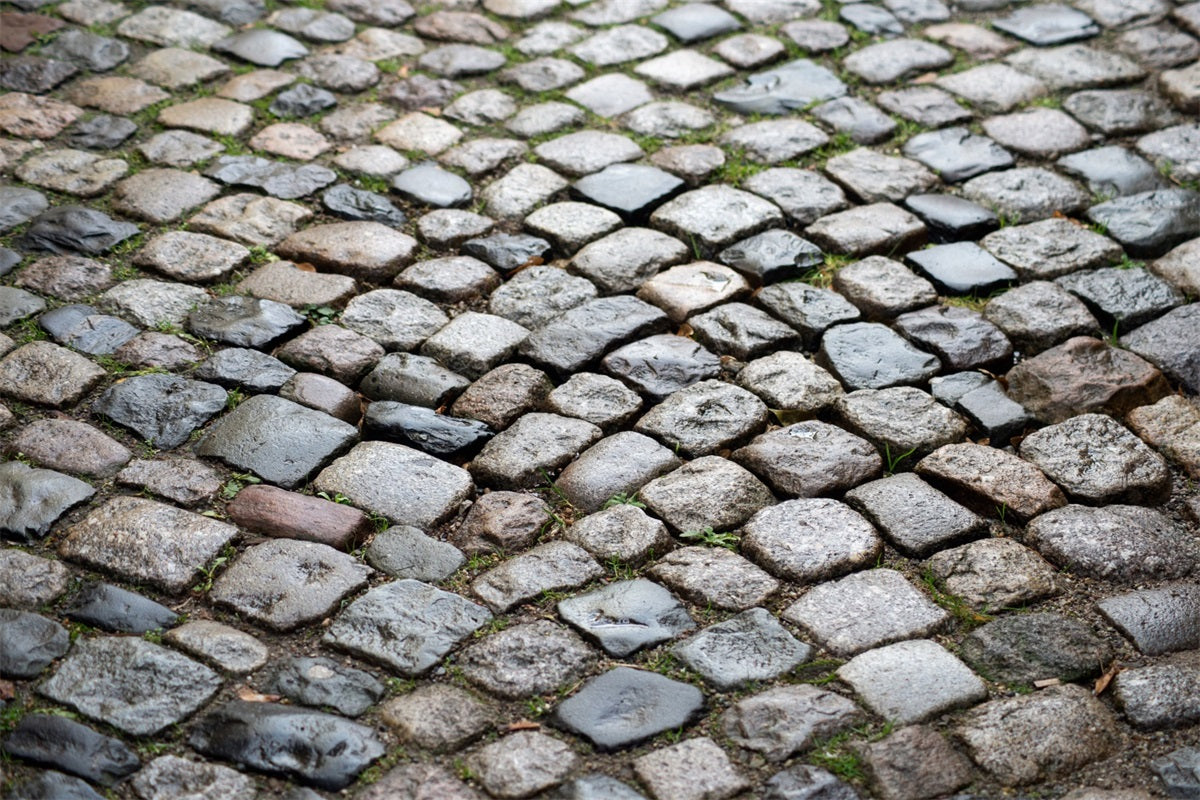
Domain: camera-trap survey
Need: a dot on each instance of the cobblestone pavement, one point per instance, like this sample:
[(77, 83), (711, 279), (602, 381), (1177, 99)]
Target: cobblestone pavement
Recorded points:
[(599, 399)]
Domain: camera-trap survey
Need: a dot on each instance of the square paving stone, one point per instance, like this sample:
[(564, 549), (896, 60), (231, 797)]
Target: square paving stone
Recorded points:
[(501, 396), (694, 769), (991, 479), (750, 647), (912, 681), (789, 382), (46, 374), (625, 259), (33, 499), (632, 190), (624, 532), (367, 251), (571, 225), (147, 542), (779, 90), (956, 154), (1150, 223), (610, 95), (1076, 66), (277, 439), (807, 309), (472, 344), (683, 70), (548, 567), (627, 616), (741, 331), (804, 195), (690, 288), (950, 218), (808, 459), (405, 625), (1050, 248), (810, 539), (583, 334), (905, 420), (863, 122), (1112, 171), (707, 492), (535, 445), (914, 761), (927, 106), (1073, 729), (873, 177), (716, 215), (883, 288), (136, 686), (453, 279), (772, 255), (1027, 194), (1022, 648), (775, 141), (869, 229), (618, 465), (1084, 375), (1118, 112), (625, 706), (696, 21), (1165, 342), (913, 516), (1157, 621), (866, 610), (1116, 543), (705, 417), (1171, 426), (663, 364), (1048, 24), (993, 88), (787, 720), (962, 268), (396, 319), (714, 576), (870, 355), (537, 295), (961, 338), (405, 485), (1128, 471), (1159, 696)]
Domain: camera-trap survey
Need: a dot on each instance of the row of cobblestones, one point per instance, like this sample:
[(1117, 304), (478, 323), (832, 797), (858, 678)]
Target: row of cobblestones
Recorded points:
[(601, 399)]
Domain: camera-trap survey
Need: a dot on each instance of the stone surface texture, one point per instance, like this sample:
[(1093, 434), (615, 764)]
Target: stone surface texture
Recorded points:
[(599, 399)]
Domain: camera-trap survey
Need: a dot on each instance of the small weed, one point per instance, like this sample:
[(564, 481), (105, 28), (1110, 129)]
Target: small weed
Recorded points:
[(209, 573), (261, 255), (836, 755), (380, 522), (1098, 227), (536, 707), (1047, 101), (663, 662), (389, 65), (624, 500), (967, 616), (153, 749), (1002, 513), (619, 569), (237, 482), (495, 626), (1128, 263), (710, 538), (234, 398), (481, 561), (1114, 336), (462, 770), (337, 497), (26, 331), (320, 315), (894, 461), (373, 183), (397, 686)]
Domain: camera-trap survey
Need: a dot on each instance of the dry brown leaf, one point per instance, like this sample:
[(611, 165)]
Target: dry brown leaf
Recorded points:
[(251, 696), (1046, 683), (1104, 680), (523, 725), (304, 266), (7, 690), (685, 330)]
